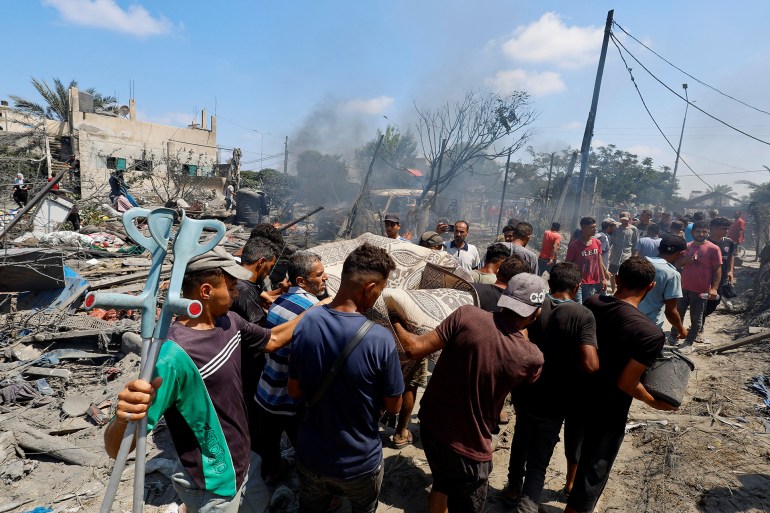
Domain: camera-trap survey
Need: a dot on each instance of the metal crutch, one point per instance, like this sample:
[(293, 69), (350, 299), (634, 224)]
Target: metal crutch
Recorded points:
[(160, 222)]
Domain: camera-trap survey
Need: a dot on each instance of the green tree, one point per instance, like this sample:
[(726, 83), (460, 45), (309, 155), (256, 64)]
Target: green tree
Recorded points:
[(397, 153), (57, 100), (623, 177), (323, 178)]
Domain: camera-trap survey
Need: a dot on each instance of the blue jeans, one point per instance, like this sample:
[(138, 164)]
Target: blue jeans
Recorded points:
[(542, 266), (587, 290), (316, 491)]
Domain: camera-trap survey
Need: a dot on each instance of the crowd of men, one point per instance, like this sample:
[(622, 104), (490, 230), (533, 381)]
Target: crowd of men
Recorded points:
[(262, 361)]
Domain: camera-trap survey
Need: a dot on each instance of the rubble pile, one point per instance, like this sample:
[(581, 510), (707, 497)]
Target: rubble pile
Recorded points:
[(61, 366)]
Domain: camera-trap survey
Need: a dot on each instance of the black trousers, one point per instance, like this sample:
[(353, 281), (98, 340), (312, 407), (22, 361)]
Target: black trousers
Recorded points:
[(266, 436)]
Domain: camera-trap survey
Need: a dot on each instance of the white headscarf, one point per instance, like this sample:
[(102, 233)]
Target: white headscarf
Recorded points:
[(19, 179)]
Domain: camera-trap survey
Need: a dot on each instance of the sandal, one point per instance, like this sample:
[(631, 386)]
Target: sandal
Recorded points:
[(400, 443)]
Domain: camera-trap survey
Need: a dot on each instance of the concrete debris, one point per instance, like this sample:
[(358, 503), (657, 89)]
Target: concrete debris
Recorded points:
[(38, 442)]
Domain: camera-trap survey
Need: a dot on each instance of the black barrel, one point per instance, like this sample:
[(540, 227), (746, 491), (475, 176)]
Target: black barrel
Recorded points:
[(250, 206), (667, 378)]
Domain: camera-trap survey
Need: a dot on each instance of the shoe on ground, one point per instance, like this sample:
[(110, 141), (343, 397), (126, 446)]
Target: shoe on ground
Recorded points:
[(511, 495), (686, 349)]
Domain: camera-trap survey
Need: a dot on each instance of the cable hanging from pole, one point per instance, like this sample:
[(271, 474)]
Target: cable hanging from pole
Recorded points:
[(618, 42), (683, 71), (639, 92)]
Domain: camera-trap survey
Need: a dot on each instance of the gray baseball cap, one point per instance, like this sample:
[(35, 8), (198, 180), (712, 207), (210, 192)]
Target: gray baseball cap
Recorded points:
[(218, 258), (524, 294), (430, 238)]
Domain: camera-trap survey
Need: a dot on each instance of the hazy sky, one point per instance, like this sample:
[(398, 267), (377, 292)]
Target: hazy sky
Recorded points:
[(331, 70)]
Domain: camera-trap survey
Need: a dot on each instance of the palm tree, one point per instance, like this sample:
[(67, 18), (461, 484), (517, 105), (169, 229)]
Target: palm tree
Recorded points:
[(723, 190), (57, 100)]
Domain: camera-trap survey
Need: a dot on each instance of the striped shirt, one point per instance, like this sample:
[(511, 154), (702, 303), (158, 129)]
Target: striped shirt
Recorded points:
[(272, 393)]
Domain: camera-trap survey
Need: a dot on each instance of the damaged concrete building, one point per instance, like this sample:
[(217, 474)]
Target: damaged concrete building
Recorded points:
[(104, 142)]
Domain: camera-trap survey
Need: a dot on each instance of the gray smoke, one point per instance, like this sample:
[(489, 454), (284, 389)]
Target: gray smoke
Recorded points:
[(331, 129)]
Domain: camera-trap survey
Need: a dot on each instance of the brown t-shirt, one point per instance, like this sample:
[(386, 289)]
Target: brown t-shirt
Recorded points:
[(484, 358)]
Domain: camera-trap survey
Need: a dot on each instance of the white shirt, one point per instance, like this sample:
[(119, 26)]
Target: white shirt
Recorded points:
[(468, 255)]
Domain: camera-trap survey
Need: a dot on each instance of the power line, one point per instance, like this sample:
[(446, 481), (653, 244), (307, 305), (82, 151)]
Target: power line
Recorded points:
[(636, 86), (683, 71), (726, 173), (725, 164), (219, 116), (617, 42)]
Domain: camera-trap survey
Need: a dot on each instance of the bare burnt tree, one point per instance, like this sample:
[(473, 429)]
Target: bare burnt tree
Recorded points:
[(481, 125), (173, 176), (457, 135)]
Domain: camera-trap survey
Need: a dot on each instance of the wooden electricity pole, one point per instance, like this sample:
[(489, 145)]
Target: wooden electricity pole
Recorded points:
[(585, 147), (286, 155), (505, 184), (347, 225)]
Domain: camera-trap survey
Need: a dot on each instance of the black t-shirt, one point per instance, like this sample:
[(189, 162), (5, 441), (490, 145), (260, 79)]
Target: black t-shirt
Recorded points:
[(727, 247), (559, 331), (623, 333), (488, 296), (249, 306)]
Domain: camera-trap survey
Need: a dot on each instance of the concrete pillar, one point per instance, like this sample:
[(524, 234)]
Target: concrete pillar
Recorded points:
[(74, 100), (73, 114), (132, 109), (213, 125), (204, 121)]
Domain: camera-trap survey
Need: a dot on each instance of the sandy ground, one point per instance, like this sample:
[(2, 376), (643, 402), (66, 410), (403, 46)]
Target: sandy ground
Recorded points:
[(693, 462)]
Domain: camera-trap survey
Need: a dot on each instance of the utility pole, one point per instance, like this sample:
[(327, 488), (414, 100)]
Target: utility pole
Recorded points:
[(678, 148), (565, 187), (347, 225), (286, 155), (548, 186), (585, 147), (505, 184)]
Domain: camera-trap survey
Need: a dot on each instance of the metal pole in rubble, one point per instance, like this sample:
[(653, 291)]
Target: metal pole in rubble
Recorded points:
[(505, 183), (33, 202), (585, 147)]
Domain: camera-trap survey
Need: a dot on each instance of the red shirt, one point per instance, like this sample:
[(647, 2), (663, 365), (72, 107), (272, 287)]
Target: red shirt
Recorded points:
[(549, 241), (736, 231), (696, 276), (587, 258)]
